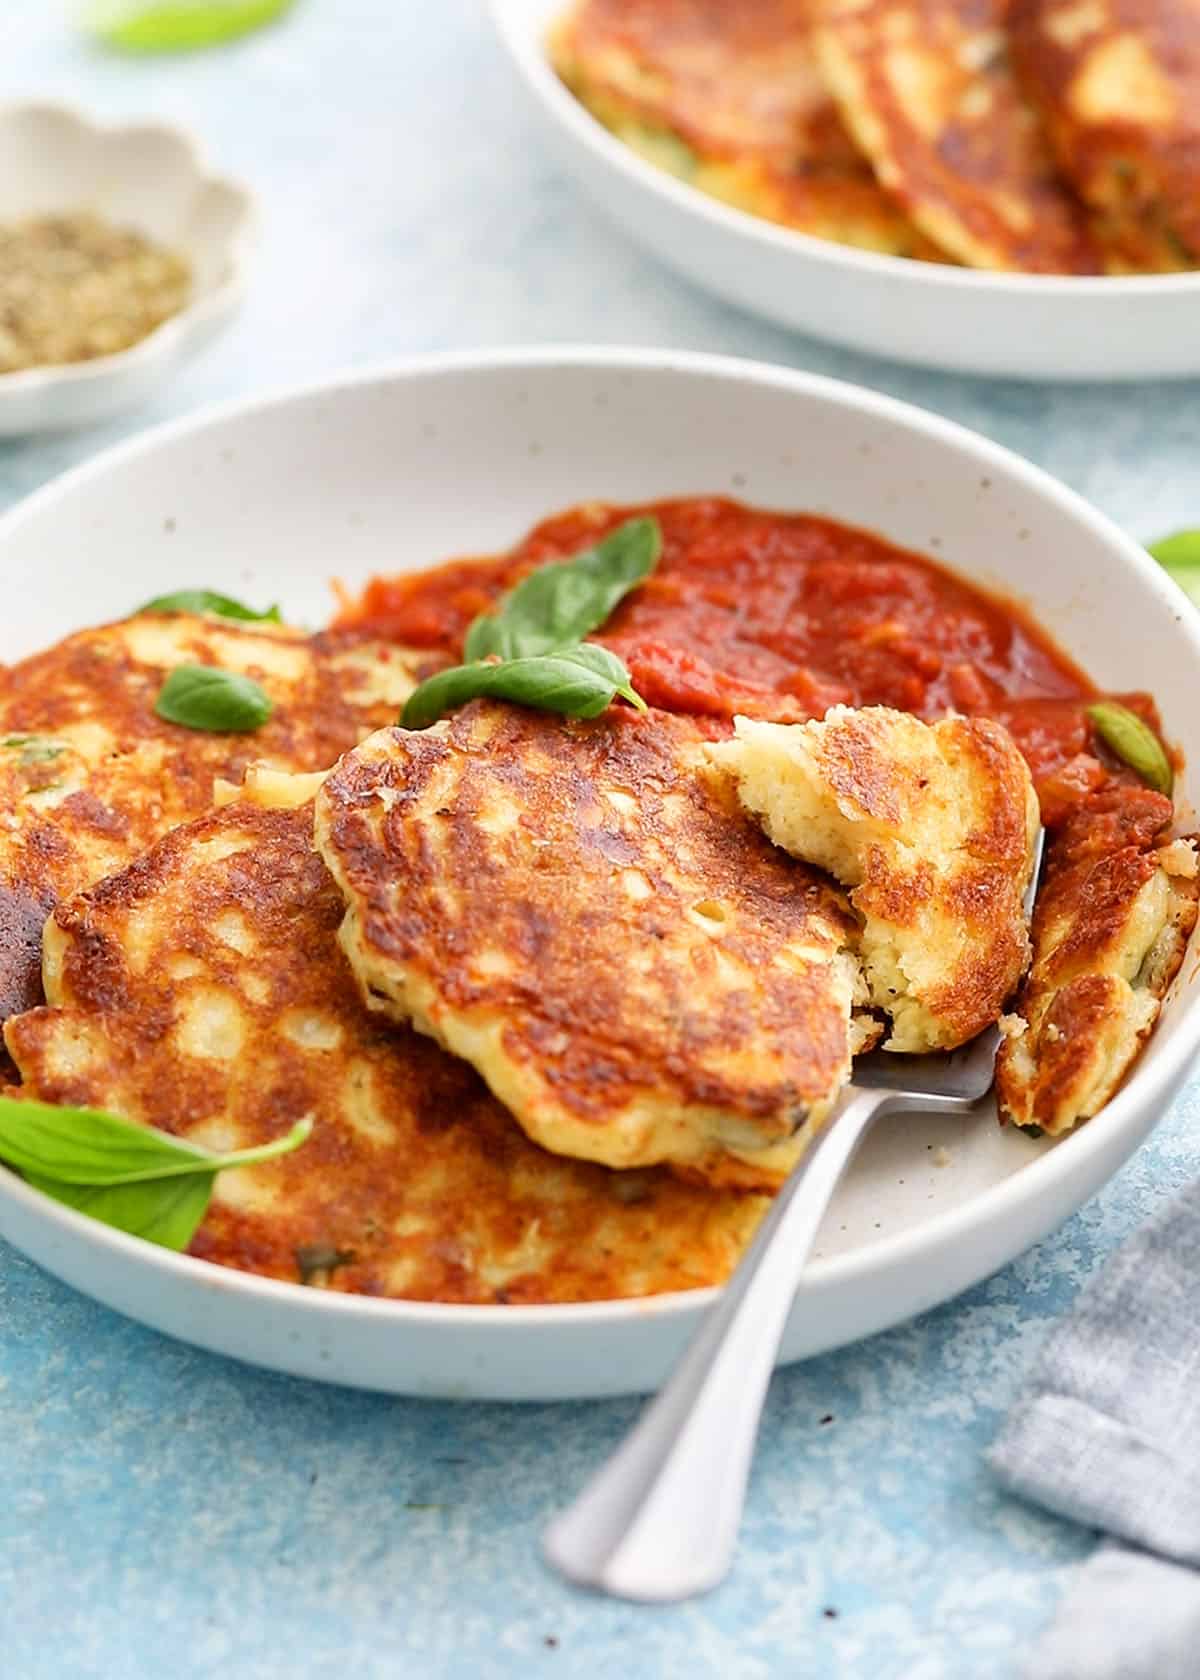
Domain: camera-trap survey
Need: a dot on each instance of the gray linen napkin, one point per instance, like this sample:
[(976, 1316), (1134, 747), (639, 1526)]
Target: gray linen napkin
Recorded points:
[(1108, 1434)]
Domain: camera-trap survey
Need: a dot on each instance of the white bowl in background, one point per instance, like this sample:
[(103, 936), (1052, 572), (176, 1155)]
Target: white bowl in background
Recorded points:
[(145, 176), (397, 469), (1022, 325)]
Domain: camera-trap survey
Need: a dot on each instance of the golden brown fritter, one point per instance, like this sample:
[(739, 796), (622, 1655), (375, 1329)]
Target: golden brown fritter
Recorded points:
[(932, 826), (90, 776), (1118, 85), (927, 89), (1113, 915), (729, 98), (203, 991), (583, 914)]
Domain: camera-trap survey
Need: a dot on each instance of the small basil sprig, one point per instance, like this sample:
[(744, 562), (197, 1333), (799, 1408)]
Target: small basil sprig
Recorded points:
[(128, 1176), (33, 749), (560, 603), (206, 697), (1179, 557), (174, 25), (209, 601), (531, 649), (576, 681), (1125, 734)]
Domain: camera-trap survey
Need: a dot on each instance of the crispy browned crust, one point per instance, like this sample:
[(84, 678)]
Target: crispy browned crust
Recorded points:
[(90, 700), (415, 1182), (928, 91), (1085, 1017), (643, 976), (978, 898), (1118, 84), (931, 827), (729, 80), (739, 85)]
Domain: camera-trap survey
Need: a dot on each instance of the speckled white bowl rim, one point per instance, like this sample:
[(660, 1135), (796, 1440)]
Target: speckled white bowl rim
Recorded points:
[(1088, 1157), (979, 322), (828, 252)]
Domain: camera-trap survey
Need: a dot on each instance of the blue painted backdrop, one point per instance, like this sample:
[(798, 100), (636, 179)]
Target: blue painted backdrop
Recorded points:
[(166, 1513)]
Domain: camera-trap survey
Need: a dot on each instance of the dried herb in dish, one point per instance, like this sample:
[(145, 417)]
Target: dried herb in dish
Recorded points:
[(132, 1177), (74, 287)]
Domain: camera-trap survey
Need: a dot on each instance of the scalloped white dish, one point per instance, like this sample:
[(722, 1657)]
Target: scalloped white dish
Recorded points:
[(398, 469), (145, 176), (1031, 326)]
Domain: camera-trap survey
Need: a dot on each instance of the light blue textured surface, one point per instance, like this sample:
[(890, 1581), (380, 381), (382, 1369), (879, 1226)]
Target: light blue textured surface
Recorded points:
[(164, 1512)]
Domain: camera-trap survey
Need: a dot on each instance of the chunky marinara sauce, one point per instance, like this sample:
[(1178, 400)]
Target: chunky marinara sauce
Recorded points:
[(781, 616)]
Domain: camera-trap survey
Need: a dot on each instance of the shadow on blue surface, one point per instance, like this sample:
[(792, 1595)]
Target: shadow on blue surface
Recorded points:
[(164, 1512), (198, 1516)]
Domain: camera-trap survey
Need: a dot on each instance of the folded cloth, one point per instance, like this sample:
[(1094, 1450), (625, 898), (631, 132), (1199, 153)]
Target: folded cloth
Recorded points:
[(1108, 1434), (1126, 1615)]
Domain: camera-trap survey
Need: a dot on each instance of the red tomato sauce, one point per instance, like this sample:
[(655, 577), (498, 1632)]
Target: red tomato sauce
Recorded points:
[(781, 616)]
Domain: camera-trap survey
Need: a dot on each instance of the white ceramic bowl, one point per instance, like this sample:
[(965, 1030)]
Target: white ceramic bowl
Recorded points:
[(1031, 326), (401, 468), (140, 175)]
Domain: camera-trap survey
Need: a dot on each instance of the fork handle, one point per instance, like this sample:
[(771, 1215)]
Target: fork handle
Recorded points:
[(659, 1522)]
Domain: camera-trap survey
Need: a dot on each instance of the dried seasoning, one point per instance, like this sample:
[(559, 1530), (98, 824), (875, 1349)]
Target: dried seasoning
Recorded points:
[(74, 287)]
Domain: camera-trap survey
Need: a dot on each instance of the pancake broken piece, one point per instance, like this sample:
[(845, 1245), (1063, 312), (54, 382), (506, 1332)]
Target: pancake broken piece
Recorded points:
[(1113, 916), (730, 100), (1118, 86), (583, 913), (90, 775), (932, 826), (203, 991), (927, 89)]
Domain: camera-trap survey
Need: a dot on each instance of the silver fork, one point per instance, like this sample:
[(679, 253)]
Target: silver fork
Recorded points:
[(659, 1522)]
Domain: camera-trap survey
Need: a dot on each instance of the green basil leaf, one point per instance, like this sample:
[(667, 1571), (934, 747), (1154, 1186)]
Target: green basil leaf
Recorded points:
[(1179, 556), (172, 25), (32, 749), (660, 147), (1134, 741), (317, 1262), (165, 1211), (578, 682), (607, 666), (559, 604), (206, 697), (89, 1146), (132, 1177), (208, 601)]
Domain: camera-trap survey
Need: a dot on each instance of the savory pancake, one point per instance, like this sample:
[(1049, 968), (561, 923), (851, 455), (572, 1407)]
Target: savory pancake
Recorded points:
[(927, 90), (1142, 243), (1118, 85), (584, 914), (203, 991), (90, 775), (1113, 915), (729, 99), (932, 827)]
